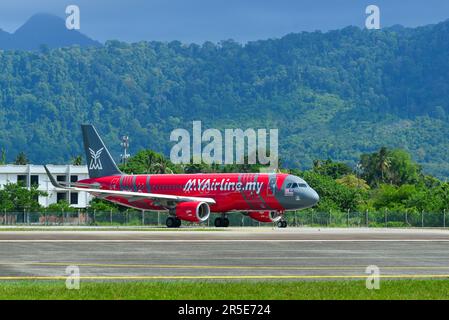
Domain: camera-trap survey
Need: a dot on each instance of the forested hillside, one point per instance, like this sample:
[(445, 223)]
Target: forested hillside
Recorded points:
[(335, 94)]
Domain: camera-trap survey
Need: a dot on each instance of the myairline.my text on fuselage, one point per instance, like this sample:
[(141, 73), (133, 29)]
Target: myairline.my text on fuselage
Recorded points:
[(264, 197)]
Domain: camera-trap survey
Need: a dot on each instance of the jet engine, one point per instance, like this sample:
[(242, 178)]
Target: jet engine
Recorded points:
[(265, 216), (192, 211)]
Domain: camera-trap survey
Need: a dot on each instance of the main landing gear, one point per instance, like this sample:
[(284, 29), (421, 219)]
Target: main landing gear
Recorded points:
[(173, 222), (282, 224), (222, 222)]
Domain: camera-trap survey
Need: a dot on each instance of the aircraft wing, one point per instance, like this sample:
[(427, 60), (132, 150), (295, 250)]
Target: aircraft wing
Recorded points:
[(129, 195), (135, 196)]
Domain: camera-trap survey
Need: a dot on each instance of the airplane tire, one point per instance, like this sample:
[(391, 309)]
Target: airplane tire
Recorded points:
[(218, 222), (282, 224), (178, 223), (170, 222), (225, 222)]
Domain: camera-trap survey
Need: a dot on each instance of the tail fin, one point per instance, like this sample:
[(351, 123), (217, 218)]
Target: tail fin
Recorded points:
[(98, 159)]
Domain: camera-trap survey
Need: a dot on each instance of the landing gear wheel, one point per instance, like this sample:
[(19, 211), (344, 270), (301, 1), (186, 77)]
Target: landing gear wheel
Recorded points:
[(173, 222), (218, 222), (282, 224), (221, 222), (170, 222)]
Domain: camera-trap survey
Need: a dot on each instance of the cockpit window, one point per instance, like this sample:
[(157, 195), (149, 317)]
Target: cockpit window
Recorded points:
[(295, 185)]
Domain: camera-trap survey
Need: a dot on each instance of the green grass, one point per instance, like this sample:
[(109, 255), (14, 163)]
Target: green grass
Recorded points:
[(121, 228), (390, 289)]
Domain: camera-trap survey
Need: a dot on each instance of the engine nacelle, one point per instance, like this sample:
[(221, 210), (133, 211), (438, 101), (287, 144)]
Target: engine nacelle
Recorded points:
[(265, 216), (193, 211)]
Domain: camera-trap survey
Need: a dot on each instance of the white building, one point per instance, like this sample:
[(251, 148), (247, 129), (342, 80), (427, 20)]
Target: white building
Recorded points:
[(35, 174)]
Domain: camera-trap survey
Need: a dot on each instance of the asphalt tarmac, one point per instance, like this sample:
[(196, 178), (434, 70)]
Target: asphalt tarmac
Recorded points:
[(233, 254)]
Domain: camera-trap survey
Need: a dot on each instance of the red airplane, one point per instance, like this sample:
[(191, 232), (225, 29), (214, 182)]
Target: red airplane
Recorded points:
[(191, 197)]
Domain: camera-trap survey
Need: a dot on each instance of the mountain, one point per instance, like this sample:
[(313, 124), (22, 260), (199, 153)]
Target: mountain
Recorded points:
[(43, 29), (5, 39), (331, 95)]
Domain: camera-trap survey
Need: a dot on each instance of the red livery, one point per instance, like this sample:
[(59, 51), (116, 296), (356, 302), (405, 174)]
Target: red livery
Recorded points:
[(192, 197)]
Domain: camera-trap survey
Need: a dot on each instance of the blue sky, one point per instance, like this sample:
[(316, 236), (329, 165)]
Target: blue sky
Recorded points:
[(214, 20)]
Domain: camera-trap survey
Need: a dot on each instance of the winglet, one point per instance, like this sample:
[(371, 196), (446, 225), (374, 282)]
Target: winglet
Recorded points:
[(52, 179)]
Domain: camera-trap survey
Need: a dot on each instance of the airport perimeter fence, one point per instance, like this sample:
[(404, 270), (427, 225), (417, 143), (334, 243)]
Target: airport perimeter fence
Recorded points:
[(309, 218)]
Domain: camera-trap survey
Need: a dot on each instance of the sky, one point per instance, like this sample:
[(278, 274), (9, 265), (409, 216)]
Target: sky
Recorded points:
[(214, 20)]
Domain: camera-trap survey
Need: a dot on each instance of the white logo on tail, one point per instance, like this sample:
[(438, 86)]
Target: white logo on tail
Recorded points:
[(95, 163)]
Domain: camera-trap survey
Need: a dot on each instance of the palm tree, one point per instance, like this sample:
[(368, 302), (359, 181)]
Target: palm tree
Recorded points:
[(193, 168), (162, 166), (149, 163), (77, 161), (383, 163), (21, 159)]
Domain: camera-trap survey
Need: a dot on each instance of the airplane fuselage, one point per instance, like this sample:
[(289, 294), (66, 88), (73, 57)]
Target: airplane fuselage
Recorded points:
[(190, 197), (231, 191)]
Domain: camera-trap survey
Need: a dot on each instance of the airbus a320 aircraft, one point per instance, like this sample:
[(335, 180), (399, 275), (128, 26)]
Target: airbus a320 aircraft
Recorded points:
[(264, 197)]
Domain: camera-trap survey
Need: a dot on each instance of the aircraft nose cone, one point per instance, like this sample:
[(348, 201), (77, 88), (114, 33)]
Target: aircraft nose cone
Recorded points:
[(314, 197), (311, 198)]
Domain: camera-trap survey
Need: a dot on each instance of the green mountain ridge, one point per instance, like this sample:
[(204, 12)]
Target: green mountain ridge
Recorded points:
[(331, 95)]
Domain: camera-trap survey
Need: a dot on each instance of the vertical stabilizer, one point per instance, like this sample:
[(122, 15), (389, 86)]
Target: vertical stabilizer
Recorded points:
[(98, 159)]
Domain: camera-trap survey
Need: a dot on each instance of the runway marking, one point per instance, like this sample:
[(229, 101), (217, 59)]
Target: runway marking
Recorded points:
[(221, 277), (207, 241), (177, 266)]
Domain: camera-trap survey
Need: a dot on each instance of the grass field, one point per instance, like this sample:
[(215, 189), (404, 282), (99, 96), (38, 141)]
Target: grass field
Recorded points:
[(264, 290), (112, 228)]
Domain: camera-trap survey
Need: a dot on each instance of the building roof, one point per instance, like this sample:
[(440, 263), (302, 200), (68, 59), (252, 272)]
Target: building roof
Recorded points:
[(33, 168)]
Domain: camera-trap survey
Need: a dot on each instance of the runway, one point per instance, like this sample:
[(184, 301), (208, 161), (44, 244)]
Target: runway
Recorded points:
[(234, 254)]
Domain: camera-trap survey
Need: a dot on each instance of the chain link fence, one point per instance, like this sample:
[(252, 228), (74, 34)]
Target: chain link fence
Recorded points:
[(107, 218), (383, 219), (310, 218)]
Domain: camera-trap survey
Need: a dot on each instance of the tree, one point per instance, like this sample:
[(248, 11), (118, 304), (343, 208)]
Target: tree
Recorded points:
[(383, 162), (332, 169), (77, 161), (147, 162), (21, 159), (351, 181), (100, 205), (196, 168), (389, 166), (333, 195), (13, 196), (162, 165), (60, 206), (402, 169), (392, 198), (325, 106), (44, 49)]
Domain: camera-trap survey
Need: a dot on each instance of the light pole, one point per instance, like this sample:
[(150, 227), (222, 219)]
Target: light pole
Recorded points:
[(125, 146)]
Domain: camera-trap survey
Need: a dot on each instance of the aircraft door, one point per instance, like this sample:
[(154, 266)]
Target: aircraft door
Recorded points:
[(271, 190)]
